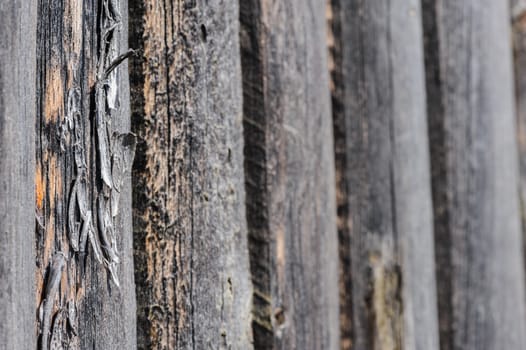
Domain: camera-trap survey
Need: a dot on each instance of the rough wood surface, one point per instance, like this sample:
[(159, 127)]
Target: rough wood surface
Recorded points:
[(381, 137), (289, 171), (17, 170), (193, 283), (83, 194), (474, 165)]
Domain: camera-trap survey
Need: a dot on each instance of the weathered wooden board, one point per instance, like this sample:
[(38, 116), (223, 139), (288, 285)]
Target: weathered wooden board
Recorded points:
[(518, 20), (83, 193), (474, 173), (17, 170), (289, 167), (385, 216), (192, 268)]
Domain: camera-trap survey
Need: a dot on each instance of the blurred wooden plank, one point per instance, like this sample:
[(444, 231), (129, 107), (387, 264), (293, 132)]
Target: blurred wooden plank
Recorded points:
[(386, 222), (518, 19), (289, 165), (474, 165), (17, 170), (192, 268), (83, 210)]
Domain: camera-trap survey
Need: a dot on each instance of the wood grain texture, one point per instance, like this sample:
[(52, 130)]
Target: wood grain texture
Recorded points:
[(474, 165), (518, 21), (289, 168), (78, 303), (193, 283), (381, 137), (17, 169)]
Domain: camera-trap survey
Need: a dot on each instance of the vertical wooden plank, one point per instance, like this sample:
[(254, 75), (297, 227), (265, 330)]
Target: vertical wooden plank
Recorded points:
[(475, 185), (381, 136), (289, 168), (84, 279), (17, 170), (518, 19), (193, 283)]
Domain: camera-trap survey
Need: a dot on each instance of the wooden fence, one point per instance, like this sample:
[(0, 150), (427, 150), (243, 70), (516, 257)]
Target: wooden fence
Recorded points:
[(262, 174)]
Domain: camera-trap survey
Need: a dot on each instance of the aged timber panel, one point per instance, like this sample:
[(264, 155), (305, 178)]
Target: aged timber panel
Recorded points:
[(474, 169), (518, 19), (385, 213), (84, 276), (289, 167), (17, 170), (192, 269)]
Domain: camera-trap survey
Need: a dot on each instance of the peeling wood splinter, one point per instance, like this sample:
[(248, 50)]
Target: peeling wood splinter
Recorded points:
[(46, 308), (115, 158)]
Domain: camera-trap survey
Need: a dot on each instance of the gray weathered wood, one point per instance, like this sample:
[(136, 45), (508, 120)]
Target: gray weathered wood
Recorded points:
[(17, 173), (83, 231), (518, 19), (193, 282), (289, 171), (475, 184), (381, 128)]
